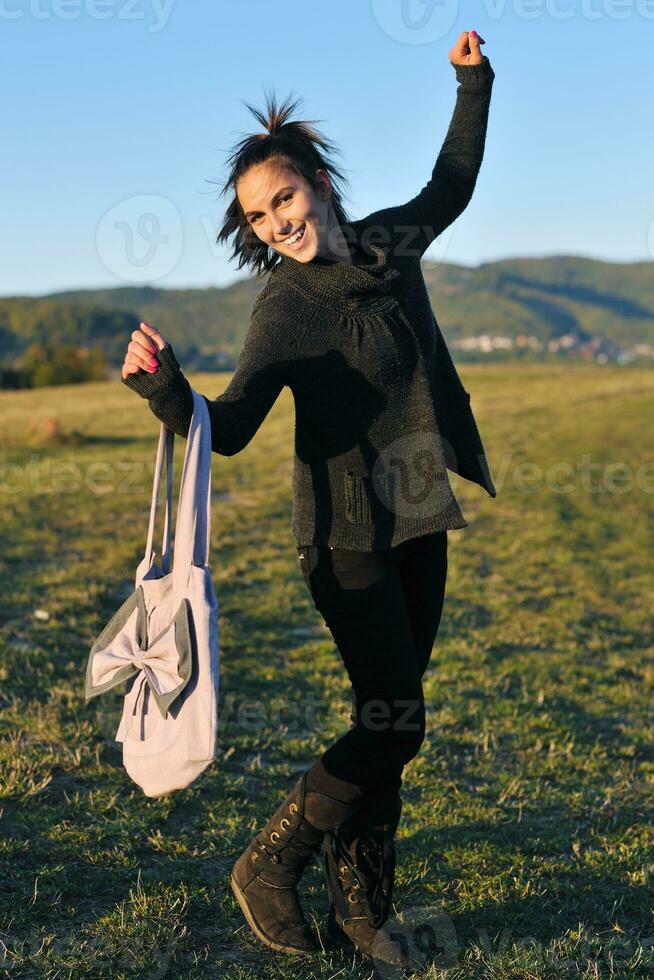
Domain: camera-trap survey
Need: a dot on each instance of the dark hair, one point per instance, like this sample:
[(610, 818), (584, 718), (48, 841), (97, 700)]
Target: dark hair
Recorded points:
[(294, 144)]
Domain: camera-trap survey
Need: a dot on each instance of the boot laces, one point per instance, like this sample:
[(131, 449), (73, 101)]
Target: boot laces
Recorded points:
[(365, 869), (284, 837)]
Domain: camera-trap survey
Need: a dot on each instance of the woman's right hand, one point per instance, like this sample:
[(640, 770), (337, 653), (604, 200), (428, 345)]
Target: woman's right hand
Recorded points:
[(141, 350)]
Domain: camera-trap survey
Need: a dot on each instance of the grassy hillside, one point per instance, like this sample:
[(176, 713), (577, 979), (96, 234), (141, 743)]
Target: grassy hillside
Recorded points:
[(513, 298), (527, 829), (547, 297)]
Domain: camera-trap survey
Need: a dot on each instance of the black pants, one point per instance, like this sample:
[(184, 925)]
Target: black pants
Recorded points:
[(383, 610)]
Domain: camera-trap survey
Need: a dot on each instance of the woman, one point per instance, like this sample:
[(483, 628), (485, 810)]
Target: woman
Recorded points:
[(344, 320)]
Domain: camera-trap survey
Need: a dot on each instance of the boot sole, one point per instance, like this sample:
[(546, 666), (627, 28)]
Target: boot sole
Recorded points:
[(256, 928)]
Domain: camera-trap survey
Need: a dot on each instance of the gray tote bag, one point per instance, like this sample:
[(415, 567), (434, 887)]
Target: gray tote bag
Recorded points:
[(163, 641)]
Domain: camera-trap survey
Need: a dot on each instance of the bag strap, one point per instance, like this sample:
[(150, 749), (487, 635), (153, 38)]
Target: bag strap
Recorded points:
[(166, 438), (193, 524)]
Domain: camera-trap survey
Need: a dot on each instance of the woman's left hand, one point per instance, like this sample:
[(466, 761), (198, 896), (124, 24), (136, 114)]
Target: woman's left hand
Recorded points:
[(466, 51)]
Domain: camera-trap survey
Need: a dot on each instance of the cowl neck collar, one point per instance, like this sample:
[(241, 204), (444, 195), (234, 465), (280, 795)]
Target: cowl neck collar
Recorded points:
[(365, 285)]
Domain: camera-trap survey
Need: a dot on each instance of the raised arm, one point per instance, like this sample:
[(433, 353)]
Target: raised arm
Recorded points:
[(238, 412), (410, 228)]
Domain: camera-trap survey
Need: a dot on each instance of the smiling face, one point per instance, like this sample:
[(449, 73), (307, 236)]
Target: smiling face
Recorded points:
[(278, 204)]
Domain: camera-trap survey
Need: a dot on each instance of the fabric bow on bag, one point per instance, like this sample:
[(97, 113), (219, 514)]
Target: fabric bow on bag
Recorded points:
[(163, 641), (123, 651)]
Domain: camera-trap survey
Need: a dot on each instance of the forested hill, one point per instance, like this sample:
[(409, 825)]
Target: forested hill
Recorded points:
[(533, 307)]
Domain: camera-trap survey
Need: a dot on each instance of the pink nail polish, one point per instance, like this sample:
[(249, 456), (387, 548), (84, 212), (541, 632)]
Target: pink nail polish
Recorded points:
[(473, 33)]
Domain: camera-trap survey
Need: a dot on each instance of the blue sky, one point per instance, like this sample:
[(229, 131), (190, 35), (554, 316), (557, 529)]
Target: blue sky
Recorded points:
[(120, 113)]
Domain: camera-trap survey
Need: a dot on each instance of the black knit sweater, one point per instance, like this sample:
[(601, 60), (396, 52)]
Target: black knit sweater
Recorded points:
[(381, 413)]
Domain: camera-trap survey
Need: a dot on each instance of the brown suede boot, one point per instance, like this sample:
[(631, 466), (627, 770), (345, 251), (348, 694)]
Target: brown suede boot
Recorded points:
[(359, 859), (265, 876)]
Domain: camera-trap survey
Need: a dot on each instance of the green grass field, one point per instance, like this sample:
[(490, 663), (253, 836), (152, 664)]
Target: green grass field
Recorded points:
[(527, 830)]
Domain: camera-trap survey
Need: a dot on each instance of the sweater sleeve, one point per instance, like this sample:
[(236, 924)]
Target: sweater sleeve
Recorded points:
[(238, 412), (412, 227)]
